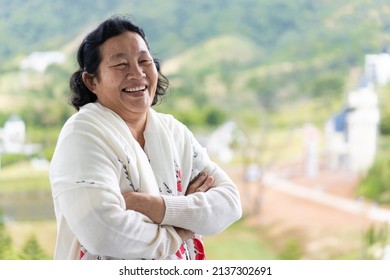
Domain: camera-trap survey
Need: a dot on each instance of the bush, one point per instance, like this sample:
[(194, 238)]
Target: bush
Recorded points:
[(5, 241), (385, 123), (32, 250), (10, 159), (292, 250), (375, 185)]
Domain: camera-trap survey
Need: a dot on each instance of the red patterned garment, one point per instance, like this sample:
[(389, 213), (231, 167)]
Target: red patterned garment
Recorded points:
[(192, 249)]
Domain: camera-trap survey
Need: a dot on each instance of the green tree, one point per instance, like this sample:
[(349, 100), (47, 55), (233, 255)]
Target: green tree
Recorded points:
[(5, 240), (215, 116), (385, 122), (375, 185), (32, 250), (292, 250)]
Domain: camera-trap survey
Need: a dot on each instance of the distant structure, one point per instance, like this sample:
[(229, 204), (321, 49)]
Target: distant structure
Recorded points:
[(13, 138), (219, 143), (377, 68), (39, 61), (352, 134), (363, 125), (311, 140)]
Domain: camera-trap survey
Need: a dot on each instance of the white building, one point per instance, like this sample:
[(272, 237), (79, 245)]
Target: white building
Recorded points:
[(363, 128), (377, 68), (219, 143), (336, 141), (13, 136), (311, 140), (39, 61), (352, 134)]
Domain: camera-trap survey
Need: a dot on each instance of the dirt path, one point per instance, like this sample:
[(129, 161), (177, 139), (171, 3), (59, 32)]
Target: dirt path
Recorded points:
[(322, 214)]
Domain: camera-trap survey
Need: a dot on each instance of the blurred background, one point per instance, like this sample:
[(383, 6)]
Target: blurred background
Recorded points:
[(291, 98)]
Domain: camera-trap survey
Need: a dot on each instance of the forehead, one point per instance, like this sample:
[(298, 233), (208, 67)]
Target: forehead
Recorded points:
[(128, 43)]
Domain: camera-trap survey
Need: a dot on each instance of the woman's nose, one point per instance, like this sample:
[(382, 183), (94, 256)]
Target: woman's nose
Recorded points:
[(135, 72)]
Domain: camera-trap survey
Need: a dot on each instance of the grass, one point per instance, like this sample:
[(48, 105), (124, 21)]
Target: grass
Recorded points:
[(44, 231), (22, 177), (238, 242)]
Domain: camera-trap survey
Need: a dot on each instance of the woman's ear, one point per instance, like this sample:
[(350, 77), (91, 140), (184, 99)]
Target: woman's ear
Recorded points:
[(89, 81)]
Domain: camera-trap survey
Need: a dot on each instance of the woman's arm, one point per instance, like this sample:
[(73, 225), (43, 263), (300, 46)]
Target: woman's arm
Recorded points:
[(103, 227), (153, 206), (209, 212)]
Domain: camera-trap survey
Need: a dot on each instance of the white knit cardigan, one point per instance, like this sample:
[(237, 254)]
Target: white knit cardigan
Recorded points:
[(97, 159)]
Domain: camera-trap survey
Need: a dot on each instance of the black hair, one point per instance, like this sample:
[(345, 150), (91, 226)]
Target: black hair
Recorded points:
[(89, 58)]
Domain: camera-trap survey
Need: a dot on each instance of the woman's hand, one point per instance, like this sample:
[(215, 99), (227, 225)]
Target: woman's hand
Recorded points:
[(184, 234), (201, 183), (152, 206)]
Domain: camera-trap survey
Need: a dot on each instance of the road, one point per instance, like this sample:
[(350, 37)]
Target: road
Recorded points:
[(321, 213), (320, 196)]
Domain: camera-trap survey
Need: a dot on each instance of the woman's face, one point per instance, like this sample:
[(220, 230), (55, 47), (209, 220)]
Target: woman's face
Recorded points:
[(127, 78)]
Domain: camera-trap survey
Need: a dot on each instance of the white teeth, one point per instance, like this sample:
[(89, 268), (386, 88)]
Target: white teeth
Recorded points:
[(141, 88)]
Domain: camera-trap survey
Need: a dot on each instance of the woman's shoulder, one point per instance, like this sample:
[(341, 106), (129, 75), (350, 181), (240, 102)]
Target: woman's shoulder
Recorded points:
[(86, 122)]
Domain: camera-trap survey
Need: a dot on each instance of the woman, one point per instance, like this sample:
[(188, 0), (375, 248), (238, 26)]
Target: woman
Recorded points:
[(128, 182)]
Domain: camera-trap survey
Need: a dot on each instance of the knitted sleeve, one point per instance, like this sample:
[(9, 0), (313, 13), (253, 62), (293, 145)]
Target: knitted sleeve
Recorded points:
[(204, 213)]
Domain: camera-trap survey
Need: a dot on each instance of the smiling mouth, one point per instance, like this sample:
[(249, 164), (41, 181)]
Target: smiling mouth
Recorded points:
[(135, 89)]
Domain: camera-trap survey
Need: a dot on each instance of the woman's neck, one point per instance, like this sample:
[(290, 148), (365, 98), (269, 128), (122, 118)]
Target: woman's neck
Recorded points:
[(137, 128)]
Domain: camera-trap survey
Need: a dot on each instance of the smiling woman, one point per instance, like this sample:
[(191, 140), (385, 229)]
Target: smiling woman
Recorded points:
[(128, 182)]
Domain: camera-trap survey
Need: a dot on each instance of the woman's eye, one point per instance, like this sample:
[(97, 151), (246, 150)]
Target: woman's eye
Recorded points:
[(120, 65), (145, 61)]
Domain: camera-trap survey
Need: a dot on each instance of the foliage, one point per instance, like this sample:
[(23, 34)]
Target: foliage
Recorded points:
[(32, 250), (9, 159), (5, 240), (292, 250), (375, 185), (198, 116), (21, 178), (301, 28), (375, 239), (240, 241), (384, 99), (385, 122)]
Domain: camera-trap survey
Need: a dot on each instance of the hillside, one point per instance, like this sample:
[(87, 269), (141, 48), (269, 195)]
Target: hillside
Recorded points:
[(285, 30), (280, 62)]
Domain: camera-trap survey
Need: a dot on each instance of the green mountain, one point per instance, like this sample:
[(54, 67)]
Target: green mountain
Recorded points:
[(225, 58), (292, 30)]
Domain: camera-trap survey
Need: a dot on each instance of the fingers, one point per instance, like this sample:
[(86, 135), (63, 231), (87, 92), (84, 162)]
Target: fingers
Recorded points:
[(201, 183), (206, 185), (199, 180), (184, 234)]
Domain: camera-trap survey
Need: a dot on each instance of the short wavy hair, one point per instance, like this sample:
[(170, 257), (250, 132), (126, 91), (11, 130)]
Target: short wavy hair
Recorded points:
[(89, 57)]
